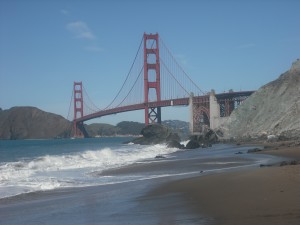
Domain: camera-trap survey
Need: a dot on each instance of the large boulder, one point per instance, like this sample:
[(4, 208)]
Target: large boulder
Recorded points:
[(192, 144), (175, 144), (157, 134), (205, 139)]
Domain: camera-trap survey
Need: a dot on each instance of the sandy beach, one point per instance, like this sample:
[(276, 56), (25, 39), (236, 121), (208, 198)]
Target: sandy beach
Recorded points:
[(266, 195)]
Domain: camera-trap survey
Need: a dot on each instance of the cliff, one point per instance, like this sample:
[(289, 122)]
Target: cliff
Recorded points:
[(272, 110), (32, 123)]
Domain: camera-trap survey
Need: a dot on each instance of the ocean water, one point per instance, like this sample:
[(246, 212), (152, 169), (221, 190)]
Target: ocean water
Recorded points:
[(99, 181), (34, 165)]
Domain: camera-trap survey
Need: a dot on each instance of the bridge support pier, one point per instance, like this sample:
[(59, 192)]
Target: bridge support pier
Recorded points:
[(79, 130), (153, 115), (214, 109), (151, 63), (199, 114)]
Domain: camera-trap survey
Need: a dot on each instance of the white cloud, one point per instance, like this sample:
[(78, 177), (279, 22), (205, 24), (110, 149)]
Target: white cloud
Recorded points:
[(81, 30)]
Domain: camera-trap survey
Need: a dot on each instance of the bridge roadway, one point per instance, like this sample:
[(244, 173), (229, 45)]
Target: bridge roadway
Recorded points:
[(164, 103)]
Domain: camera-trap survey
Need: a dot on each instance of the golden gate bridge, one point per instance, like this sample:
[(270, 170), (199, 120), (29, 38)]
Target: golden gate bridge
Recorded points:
[(156, 80)]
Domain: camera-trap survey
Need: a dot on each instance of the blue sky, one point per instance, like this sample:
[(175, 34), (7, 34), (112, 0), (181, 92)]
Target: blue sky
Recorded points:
[(222, 45)]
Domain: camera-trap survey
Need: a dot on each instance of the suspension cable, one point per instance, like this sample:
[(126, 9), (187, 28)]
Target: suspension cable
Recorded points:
[(173, 76), (90, 100), (181, 67), (126, 76), (131, 87)]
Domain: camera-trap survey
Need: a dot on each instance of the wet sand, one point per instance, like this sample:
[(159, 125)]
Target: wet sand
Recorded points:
[(266, 195)]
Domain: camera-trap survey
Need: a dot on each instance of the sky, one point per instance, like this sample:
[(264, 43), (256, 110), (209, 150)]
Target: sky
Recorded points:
[(46, 45)]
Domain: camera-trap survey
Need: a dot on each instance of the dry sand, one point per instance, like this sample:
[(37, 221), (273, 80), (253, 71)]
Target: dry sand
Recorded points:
[(268, 195)]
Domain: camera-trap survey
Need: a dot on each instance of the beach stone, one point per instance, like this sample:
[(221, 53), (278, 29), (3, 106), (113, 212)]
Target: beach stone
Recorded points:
[(237, 153), (265, 165), (192, 144), (294, 162), (254, 150), (283, 163)]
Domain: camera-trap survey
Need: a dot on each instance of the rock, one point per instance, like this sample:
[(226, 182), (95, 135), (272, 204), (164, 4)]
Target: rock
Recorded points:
[(155, 130), (175, 144), (237, 153), (158, 134), (254, 150), (294, 162), (204, 140), (272, 138), (173, 137), (285, 163), (211, 136), (160, 157), (192, 144), (265, 165)]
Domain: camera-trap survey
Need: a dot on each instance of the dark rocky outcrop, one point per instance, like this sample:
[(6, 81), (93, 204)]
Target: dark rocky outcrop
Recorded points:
[(175, 144), (32, 123), (204, 140), (192, 144), (157, 134)]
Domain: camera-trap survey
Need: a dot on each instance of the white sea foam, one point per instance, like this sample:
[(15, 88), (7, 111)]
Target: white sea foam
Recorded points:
[(54, 171)]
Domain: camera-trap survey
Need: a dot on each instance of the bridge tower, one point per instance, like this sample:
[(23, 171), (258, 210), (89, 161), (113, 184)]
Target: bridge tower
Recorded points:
[(151, 77), (78, 108)]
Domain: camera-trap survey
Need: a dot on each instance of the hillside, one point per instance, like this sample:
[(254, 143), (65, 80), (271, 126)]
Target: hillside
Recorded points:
[(122, 128), (100, 129), (273, 110), (32, 123)]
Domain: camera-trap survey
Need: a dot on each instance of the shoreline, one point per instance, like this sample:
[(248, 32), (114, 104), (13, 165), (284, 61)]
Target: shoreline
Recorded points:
[(268, 195), (192, 199)]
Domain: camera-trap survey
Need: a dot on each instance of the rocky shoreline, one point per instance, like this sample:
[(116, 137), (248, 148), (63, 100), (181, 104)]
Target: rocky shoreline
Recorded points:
[(159, 134)]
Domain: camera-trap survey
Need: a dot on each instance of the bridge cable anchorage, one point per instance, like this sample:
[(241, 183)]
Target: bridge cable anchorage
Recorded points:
[(126, 76), (169, 52)]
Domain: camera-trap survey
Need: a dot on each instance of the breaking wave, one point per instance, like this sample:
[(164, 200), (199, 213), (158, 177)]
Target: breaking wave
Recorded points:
[(54, 171)]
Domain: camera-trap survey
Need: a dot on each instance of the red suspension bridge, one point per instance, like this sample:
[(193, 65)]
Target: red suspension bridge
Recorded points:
[(156, 80)]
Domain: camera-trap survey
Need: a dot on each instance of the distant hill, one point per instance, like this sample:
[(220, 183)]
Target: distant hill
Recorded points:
[(129, 127), (274, 109), (122, 128), (100, 129), (32, 123), (133, 128)]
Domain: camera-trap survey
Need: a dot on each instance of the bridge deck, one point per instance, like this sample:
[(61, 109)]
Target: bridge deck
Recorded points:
[(163, 103)]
